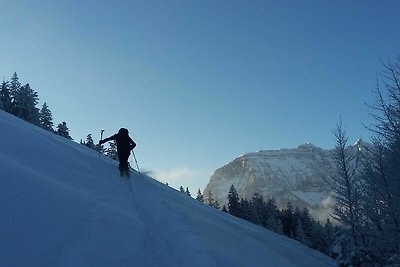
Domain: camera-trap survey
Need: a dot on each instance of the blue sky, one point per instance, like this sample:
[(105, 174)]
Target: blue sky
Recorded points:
[(199, 83)]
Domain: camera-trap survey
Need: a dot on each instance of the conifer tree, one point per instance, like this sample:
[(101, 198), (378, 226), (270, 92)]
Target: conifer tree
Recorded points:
[(288, 221), (245, 209), (111, 151), (233, 202), (25, 102), (15, 85), (62, 130), (187, 192), (89, 142), (258, 212), (5, 97), (46, 118), (209, 199), (273, 216), (199, 196)]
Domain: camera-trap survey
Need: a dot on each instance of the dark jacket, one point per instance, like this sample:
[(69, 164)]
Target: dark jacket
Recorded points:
[(124, 143)]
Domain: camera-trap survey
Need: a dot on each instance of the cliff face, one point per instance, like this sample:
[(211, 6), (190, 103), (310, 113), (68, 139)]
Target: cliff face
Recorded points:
[(297, 175)]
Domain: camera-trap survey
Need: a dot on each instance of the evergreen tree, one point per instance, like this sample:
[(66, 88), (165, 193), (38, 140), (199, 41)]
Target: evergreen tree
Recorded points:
[(330, 234), (233, 202), (298, 231), (5, 97), (62, 130), (187, 192), (224, 209), (111, 151), (258, 210), (307, 222), (244, 209), (46, 118), (209, 200), (216, 205), (15, 86), (25, 102), (89, 142), (199, 196), (288, 221), (273, 217)]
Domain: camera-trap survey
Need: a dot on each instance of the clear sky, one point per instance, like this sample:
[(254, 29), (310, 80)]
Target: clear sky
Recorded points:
[(201, 82)]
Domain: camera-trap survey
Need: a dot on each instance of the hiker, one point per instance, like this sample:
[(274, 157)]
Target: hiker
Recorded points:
[(124, 146)]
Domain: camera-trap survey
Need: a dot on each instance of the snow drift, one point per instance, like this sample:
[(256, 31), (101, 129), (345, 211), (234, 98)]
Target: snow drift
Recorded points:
[(62, 204)]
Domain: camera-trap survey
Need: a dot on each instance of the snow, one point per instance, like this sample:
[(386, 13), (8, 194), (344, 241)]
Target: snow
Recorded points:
[(62, 204)]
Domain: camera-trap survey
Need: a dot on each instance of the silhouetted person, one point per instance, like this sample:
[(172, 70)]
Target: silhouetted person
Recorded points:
[(124, 146)]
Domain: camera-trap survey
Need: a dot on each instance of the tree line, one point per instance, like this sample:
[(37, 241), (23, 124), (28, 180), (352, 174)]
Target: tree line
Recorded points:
[(292, 221), (21, 101)]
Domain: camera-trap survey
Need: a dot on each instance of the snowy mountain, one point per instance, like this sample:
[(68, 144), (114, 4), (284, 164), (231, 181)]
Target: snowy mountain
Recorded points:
[(62, 204), (296, 175)]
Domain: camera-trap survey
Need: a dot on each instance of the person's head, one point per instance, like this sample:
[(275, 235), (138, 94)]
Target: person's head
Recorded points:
[(123, 131)]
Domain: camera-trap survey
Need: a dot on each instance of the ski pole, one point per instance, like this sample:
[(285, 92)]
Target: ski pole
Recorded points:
[(101, 139), (136, 161)]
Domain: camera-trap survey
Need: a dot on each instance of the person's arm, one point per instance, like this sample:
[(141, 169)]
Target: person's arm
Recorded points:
[(108, 139)]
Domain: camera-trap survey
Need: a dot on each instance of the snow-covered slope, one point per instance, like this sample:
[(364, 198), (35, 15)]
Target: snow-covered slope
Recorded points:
[(288, 175), (63, 205)]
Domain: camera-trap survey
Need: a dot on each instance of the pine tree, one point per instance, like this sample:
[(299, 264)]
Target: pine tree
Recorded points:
[(63, 130), (244, 209), (15, 86), (209, 199), (25, 102), (224, 209), (187, 192), (233, 202), (111, 151), (199, 196), (5, 97), (46, 118), (288, 221), (258, 211), (89, 142), (273, 216)]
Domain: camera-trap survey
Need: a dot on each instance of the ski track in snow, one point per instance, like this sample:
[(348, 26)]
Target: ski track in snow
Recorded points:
[(62, 204)]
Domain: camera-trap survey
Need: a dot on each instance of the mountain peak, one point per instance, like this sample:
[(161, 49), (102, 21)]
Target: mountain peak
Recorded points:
[(294, 175)]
